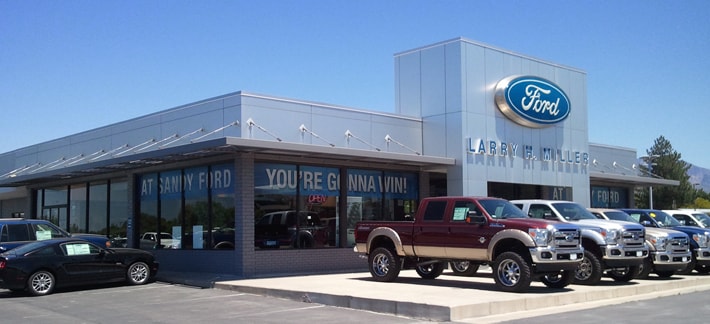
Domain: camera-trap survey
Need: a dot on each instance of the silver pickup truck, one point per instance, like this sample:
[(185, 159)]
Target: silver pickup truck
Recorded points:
[(613, 246), (670, 249)]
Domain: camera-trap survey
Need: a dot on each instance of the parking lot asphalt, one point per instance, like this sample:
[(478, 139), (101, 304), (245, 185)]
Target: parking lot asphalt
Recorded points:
[(447, 298)]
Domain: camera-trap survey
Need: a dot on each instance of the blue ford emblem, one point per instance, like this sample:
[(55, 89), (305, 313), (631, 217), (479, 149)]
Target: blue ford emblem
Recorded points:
[(531, 101)]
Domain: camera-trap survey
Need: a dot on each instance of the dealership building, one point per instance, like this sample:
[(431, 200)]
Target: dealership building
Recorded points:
[(254, 185)]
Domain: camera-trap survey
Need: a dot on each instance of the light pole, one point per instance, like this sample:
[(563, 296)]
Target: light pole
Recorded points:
[(649, 163)]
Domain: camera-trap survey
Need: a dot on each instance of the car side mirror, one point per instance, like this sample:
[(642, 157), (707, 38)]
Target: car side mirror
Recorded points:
[(475, 218), (646, 223)]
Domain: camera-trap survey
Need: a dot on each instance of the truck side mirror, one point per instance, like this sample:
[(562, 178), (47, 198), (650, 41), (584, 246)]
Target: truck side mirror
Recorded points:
[(475, 218)]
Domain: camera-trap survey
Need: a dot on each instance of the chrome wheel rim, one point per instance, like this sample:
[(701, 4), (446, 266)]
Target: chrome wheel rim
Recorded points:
[(460, 266), (584, 270), (381, 265), (42, 282), (139, 273), (509, 273)]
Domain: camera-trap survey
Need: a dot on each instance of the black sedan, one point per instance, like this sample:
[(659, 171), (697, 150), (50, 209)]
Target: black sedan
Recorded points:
[(41, 266)]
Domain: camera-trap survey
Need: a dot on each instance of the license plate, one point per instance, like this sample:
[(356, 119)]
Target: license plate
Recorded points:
[(639, 253), (271, 243), (573, 256)]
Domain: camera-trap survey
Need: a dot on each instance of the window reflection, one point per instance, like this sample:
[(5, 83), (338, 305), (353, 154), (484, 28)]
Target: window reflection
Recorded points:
[(200, 224), (297, 206)]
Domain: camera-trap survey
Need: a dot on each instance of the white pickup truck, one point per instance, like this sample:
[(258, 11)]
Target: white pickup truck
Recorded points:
[(616, 246)]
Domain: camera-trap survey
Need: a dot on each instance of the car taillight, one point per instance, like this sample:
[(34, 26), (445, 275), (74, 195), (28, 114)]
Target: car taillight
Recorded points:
[(2, 264)]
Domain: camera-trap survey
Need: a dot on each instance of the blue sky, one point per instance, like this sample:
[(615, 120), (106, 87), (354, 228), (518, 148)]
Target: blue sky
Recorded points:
[(71, 66)]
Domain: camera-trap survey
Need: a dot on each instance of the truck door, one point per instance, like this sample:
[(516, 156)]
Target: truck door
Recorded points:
[(467, 241), (430, 234)]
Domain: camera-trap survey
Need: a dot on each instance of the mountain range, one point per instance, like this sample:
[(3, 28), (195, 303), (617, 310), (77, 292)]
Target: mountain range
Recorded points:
[(701, 176)]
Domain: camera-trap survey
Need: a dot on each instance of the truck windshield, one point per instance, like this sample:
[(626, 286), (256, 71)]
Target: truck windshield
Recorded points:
[(501, 209), (572, 211), (703, 218), (663, 219), (620, 216)]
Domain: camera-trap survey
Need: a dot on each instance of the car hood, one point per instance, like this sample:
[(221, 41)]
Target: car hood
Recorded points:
[(607, 224), (690, 229), (655, 231)]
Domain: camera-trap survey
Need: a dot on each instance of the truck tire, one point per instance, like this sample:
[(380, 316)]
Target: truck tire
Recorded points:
[(511, 272), (384, 265), (589, 271), (464, 268), (430, 271), (625, 275), (559, 280), (645, 269), (702, 269)]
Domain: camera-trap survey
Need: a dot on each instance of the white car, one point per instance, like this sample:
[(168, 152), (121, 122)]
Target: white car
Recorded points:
[(167, 241)]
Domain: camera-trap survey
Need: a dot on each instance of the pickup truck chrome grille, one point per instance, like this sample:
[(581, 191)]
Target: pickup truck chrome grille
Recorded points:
[(566, 239), (678, 244), (633, 238)]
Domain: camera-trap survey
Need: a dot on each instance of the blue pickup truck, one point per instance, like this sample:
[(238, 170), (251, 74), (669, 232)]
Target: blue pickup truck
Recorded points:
[(699, 237), (18, 231)]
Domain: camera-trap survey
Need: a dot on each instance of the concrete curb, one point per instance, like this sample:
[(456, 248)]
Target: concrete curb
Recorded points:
[(454, 298)]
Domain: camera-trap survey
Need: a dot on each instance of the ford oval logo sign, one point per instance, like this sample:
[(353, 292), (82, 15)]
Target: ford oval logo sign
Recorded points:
[(531, 101)]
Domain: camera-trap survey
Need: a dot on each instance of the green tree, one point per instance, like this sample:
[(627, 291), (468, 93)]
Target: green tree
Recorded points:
[(667, 163)]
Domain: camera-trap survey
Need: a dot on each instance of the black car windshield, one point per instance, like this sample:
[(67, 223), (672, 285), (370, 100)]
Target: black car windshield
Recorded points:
[(572, 211), (501, 209)]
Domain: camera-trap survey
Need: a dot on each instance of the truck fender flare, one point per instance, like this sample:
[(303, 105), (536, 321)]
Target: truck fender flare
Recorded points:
[(515, 234), (390, 234), (592, 235)]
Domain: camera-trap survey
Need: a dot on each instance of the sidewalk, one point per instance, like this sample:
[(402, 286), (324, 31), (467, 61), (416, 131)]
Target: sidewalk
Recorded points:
[(450, 298)]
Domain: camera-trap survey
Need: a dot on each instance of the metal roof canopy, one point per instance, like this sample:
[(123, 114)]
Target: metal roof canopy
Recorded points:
[(633, 180), (219, 146)]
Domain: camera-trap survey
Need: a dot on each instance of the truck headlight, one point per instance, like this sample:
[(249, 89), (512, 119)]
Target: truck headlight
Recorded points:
[(659, 242), (611, 236), (701, 239), (541, 236)]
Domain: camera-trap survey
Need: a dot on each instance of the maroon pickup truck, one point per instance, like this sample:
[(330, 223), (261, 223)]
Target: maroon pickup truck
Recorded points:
[(478, 230)]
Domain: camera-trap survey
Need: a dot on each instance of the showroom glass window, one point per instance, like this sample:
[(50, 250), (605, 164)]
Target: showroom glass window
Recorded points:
[(77, 208), (222, 198), (291, 200), (178, 211), (296, 206), (98, 201), (87, 207), (380, 195), (118, 211)]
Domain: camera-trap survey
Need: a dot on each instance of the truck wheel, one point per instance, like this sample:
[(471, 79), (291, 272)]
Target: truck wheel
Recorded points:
[(430, 271), (464, 268), (624, 274), (589, 271), (511, 272), (702, 269), (384, 265), (559, 280), (645, 269)]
